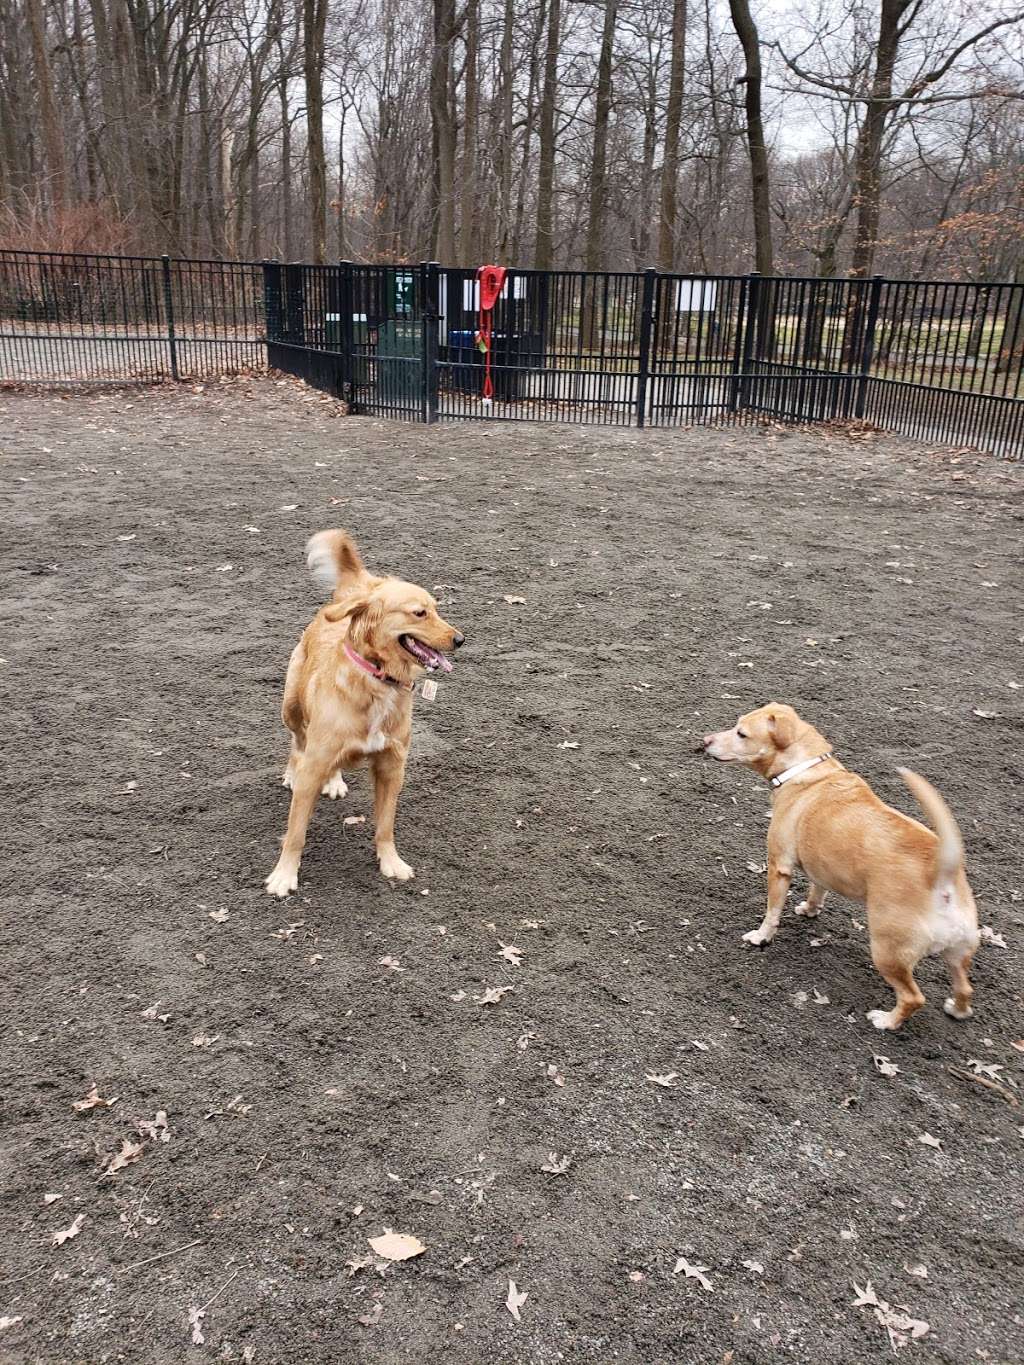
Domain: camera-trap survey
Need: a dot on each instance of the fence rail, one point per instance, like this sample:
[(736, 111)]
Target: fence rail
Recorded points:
[(938, 360)]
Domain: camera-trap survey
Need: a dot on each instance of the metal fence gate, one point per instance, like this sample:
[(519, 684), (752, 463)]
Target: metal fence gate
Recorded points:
[(938, 360)]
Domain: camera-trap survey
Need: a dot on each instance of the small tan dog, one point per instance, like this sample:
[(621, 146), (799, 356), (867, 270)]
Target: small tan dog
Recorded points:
[(348, 695), (829, 822)]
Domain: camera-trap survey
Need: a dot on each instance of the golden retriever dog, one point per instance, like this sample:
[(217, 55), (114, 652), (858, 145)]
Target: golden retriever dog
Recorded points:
[(830, 823), (348, 695)]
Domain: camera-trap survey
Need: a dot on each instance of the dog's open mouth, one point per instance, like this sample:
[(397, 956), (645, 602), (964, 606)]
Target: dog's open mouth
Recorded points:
[(431, 658)]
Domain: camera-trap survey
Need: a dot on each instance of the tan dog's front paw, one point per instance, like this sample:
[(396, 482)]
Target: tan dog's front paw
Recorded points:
[(949, 1005), (282, 881), (759, 937), (394, 867), (806, 908), (882, 1019), (334, 788)]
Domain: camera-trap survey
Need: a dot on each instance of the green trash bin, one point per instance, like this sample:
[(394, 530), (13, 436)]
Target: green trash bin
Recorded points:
[(400, 363)]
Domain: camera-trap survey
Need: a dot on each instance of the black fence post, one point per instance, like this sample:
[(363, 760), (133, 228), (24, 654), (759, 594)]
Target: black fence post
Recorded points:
[(650, 279), (346, 332), (169, 311), (431, 318), (749, 336), (867, 350), (272, 303)]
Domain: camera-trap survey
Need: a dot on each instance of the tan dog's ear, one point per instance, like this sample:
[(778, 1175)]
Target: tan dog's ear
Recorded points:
[(364, 615), (782, 722)]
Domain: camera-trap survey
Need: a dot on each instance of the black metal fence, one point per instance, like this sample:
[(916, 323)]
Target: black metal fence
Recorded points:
[(937, 360)]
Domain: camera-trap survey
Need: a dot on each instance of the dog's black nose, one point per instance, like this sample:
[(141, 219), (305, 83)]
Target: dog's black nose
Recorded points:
[(458, 639)]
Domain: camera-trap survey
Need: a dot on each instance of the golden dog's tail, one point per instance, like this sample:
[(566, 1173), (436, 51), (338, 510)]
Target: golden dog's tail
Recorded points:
[(949, 856), (334, 560)]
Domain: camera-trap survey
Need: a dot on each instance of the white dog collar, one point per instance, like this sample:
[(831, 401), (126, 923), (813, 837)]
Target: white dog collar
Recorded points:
[(796, 769)]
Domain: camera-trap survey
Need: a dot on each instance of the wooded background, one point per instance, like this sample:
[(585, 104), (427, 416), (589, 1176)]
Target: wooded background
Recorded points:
[(824, 138)]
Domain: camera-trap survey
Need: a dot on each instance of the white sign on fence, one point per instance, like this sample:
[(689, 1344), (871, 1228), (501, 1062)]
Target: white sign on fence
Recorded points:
[(471, 292), (696, 296)]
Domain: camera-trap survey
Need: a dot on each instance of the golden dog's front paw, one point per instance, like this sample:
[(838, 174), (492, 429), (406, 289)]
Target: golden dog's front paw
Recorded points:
[(950, 1006), (759, 937), (882, 1019), (282, 881), (394, 867), (334, 787)]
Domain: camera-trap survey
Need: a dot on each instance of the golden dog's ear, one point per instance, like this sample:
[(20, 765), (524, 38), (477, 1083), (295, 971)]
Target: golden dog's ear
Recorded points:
[(782, 722), (364, 614)]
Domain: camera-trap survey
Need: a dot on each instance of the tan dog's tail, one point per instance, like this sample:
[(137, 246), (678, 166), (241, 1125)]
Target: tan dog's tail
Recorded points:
[(334, 560), (949, 857)]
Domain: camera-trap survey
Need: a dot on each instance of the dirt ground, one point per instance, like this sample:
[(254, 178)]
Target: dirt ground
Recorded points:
[(314, 1095)]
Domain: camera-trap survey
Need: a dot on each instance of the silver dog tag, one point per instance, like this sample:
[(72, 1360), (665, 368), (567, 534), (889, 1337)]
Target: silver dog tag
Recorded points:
[(429, 689)]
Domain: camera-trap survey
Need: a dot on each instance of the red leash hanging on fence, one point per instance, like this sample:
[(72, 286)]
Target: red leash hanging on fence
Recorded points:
[(490, 282)]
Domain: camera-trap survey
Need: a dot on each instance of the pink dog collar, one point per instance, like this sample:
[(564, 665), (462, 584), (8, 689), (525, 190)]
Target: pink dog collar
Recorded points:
[(375, 672)]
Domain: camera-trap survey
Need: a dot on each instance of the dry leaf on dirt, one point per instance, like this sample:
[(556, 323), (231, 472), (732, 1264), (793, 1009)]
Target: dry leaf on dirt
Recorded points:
[(371, 1318), (569, 744), (666, 1080), (457, 996), (553, 1074), (515, 1300), (755, 1266), (989, 1069), (219, 916), (155, 1129), (195, 1319), (66, 1234), (820, 999), (357, 1263), (511, 954), (51, 1198), (92, 1101), (986, 715), (557, 1165), (354, 820), (694, 1272), (151, 1013), (883, 1066), (204, 1039), (514, 601), (492, 995), (929, 1141), (920, 1271), (392, 964), (990, 936), (9, 1322), (900, 1326), (396, 1246), (130, 1151)]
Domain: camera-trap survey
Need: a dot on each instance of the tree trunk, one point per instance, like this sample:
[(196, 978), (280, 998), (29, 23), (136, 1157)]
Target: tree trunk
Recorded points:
[(543, 252), (53, 139), (314, 20), (443, 130), (868, 178), (468, 235), (342, 234), (507, 133), (760, 181), (670, 157), (286, 167), (593, 251)]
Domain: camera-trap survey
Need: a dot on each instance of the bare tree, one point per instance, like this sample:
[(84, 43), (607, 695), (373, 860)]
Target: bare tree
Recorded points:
[(760, 176), (314, 24)]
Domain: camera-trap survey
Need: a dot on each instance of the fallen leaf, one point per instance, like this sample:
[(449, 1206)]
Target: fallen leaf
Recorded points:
[(511, 953), (665, 1080), (866, 1297), (929, 1141), (514, 601), (204, 1039), (131, 537), (9, 1322), (155, 1129), (358, 1263), (51, 1198), (371, 1318), (557, 1165), (130, 1151), (66, 1234), (1019, 1044), (820, 999), (396, 1246), (990, 1069), (986, 715), (990, 936), (755, 1266), (354, 820), (492, 995), (218, 916), (289, 507), (568, 744), (694, 1272), (392, 963), (224, 568), (195, 1319), (883, 1066), (457, 996), (92, 1101), (553, 1074), (920, 1271), (515, 1300)]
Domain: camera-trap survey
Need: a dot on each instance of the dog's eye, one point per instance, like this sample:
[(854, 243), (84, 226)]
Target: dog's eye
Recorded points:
[(420, 612), (741, 734)]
